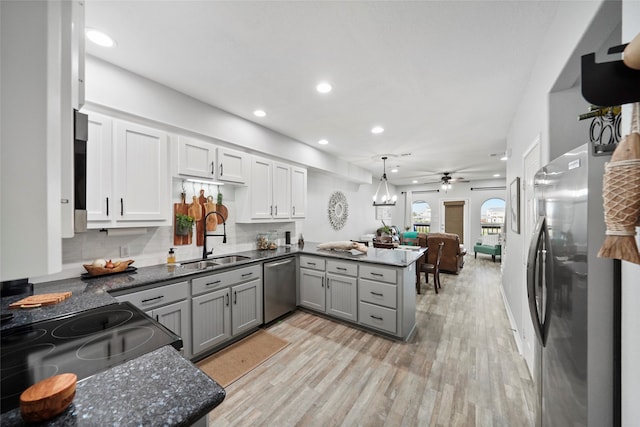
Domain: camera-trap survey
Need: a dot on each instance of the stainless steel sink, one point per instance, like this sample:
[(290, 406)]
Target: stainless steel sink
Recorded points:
[(199, 265), (213, 262), (230, 259)]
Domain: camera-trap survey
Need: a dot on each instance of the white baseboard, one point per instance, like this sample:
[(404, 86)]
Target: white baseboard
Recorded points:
[(514, 327)]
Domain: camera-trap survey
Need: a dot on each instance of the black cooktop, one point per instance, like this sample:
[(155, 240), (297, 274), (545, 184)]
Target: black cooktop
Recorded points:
[(82, 343)]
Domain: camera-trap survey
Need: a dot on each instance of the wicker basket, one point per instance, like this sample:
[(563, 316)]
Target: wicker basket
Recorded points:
[(99, 271)]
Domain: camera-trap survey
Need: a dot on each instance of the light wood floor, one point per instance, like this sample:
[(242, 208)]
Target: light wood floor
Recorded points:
[(461, 369)]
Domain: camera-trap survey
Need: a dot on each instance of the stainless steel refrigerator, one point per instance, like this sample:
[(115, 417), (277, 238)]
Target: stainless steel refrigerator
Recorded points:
[(571, 296)]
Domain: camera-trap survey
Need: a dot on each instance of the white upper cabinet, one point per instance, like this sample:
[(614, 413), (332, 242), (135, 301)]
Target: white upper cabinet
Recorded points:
[(298, 192), (128, 182), (202, 159), (281, 190), (99, 168), (260, 189), (196, 158), (141, 173), (271, 189), (233, 166)]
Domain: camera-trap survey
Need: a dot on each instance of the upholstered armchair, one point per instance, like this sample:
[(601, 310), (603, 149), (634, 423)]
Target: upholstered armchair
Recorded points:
[(452, 254)]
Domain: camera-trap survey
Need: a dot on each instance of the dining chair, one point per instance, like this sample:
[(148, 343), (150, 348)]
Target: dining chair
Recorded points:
[(433, 269)]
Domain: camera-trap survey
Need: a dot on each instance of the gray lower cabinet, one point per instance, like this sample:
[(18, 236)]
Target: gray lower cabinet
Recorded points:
[(225, 305), (330, 287), (312, 293), (378, 298), (386, 299), (211, 314), (342, 289), (169, 305)]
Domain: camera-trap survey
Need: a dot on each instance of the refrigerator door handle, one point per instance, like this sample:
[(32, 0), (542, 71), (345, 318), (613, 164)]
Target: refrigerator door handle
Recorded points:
[(532, 267)]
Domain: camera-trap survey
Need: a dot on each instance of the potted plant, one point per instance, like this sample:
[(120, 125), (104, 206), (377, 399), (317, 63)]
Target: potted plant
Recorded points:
[(184, 224), (384, 232)]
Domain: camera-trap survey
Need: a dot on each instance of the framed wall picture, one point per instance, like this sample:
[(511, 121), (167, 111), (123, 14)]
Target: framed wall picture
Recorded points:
[(383, 213), (514, 205)]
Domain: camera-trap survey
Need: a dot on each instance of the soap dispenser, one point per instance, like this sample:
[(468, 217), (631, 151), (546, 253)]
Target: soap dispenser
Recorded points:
[(171, 258)]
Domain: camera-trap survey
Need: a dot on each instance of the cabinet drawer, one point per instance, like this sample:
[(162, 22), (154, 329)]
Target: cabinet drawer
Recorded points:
[(377, 317), (342, 267), (226, 278), (156, 297), (382, 274), (378, 293), (314, 263)]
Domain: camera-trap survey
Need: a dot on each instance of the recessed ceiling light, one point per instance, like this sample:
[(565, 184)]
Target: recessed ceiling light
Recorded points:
[(259, 113), (496, 175), (323, 87), (504, 158), (415, 181), (99, 38), (377, 129), (323, 142), (394, 170)]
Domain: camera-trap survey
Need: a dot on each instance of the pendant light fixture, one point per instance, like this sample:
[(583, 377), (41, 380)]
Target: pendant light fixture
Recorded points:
[(387, 199)]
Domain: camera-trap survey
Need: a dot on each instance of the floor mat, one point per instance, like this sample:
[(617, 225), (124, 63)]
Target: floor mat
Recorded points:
[(238, 359)]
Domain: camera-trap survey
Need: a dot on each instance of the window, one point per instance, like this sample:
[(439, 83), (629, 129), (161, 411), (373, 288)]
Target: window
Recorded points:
[(492, 216), (421, 216)]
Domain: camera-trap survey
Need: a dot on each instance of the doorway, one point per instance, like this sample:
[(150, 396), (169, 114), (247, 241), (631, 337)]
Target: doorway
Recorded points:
[(531, 164), (454, 218)]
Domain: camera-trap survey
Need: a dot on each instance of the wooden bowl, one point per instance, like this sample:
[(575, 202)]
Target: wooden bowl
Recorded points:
[(48, 398), (98, 271)]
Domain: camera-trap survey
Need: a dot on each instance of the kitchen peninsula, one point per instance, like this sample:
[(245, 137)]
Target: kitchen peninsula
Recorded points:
[(384, 303)]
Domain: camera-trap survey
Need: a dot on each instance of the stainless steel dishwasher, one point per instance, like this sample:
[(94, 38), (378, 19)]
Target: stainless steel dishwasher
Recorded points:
[(279, 288)]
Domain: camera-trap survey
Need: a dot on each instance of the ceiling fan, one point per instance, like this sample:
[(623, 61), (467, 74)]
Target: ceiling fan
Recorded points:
[(447, 179)]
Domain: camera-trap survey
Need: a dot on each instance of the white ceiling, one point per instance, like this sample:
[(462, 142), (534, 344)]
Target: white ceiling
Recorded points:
[(442, 77)]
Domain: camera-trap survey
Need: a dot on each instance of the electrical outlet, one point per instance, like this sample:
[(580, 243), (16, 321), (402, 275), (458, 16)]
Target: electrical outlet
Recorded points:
[(124, 251)]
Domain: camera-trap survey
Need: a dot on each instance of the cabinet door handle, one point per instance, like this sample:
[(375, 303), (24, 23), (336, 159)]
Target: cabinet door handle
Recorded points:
[(145, 301), (121, 206), (341, 268), (212, 166), (212, 283), (328, 281), (227, 298), (235, 297), (376, 294), (107, 206), (157, 317), (377, 274), (311, 263), (247, 274), (221, 170), (276, 210), (271, 210), (294, 210), (322, 283), (376, 317)]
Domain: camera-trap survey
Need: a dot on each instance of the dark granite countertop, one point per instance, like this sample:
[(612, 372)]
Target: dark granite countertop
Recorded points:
[(95, 292), (161, 388)]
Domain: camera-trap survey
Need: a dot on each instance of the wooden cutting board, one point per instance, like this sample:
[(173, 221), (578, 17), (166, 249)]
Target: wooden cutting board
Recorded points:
[(212, 220), (48, 398), (223, 211), (39, 300), (183, 209), (202, 200)]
